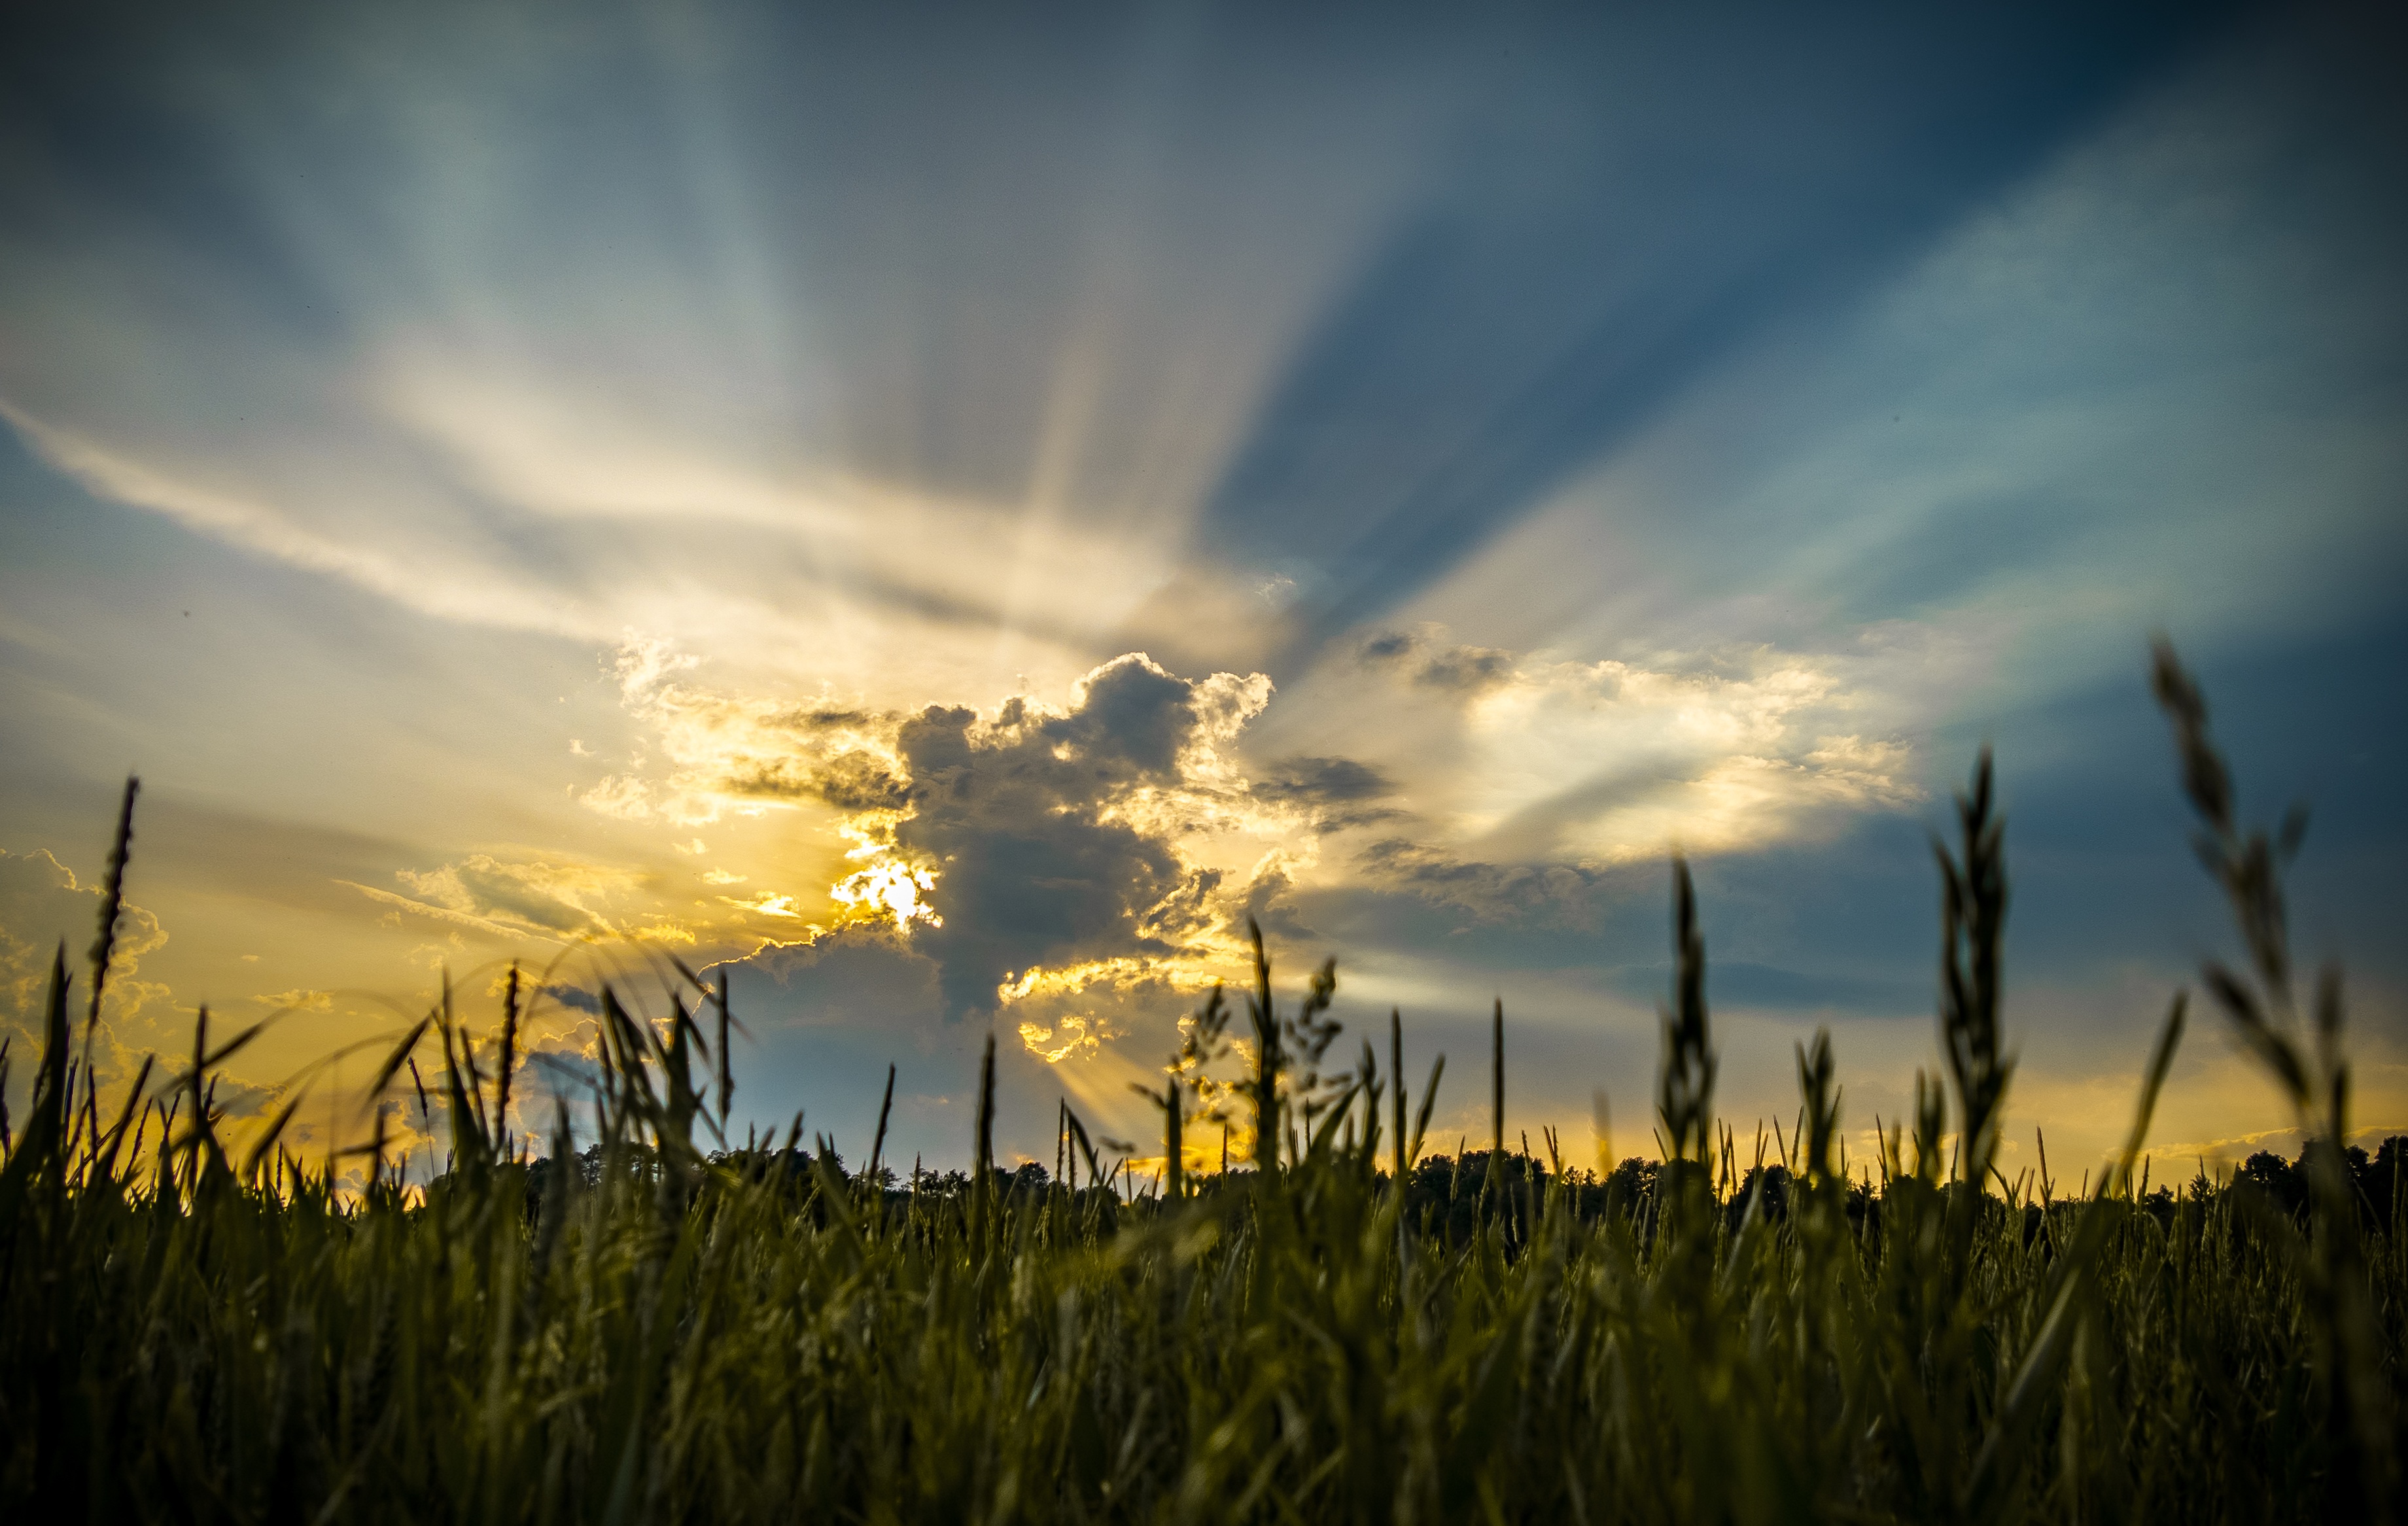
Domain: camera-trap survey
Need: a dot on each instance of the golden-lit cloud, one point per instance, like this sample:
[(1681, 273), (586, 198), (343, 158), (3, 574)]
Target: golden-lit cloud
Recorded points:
[(298, 1000), (1070, 865), (730, 755), (1070, 1011), (1006, 842), (46, 912), (43, 910), (1079, 1034), (766, 903), (557, 901), (1549, 772)]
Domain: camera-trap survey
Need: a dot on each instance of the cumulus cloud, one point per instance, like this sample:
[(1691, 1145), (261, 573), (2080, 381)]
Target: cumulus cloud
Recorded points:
[(1062, 867), (1018, 857), (1056, 835)]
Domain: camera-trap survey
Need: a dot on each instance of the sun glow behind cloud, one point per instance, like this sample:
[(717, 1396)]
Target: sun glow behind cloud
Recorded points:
[(886, 888), (1124, 799), (1080, 869)]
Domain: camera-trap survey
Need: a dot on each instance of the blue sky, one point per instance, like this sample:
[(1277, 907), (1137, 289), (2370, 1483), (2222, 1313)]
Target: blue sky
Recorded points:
[(565, 482)]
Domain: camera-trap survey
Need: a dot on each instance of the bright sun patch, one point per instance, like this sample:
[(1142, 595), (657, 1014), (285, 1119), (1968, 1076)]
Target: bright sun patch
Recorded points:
[(886, 888)]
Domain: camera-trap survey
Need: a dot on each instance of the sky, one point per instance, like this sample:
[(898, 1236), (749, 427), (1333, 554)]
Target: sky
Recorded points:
[(943, 514)]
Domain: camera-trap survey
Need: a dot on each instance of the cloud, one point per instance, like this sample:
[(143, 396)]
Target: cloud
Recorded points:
[(559, 902), (1336, 793), (300, 999), (853, 975), (1063, 865), (1607, 761), (728, 753), (1055, 837), (42, 906), (1074, 1011), (442, 914), (1001, 847), (2212, 1155), (1554, 895), (576, 998), (1469, 671)]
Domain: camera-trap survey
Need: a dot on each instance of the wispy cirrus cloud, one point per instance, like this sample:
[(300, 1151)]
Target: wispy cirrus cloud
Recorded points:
[(553, 900)]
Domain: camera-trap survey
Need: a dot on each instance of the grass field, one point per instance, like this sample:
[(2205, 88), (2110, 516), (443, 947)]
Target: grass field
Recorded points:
[(1342, 1331)]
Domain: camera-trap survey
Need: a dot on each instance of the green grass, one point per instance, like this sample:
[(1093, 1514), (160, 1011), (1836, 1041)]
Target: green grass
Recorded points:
[(1348, 1333)]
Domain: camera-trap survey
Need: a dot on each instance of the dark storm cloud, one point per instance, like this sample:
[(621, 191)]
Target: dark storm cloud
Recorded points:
[(1020, 836), (1034, 864)]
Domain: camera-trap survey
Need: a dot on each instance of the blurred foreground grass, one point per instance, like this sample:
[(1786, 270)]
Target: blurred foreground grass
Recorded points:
[(1347, 1331)]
